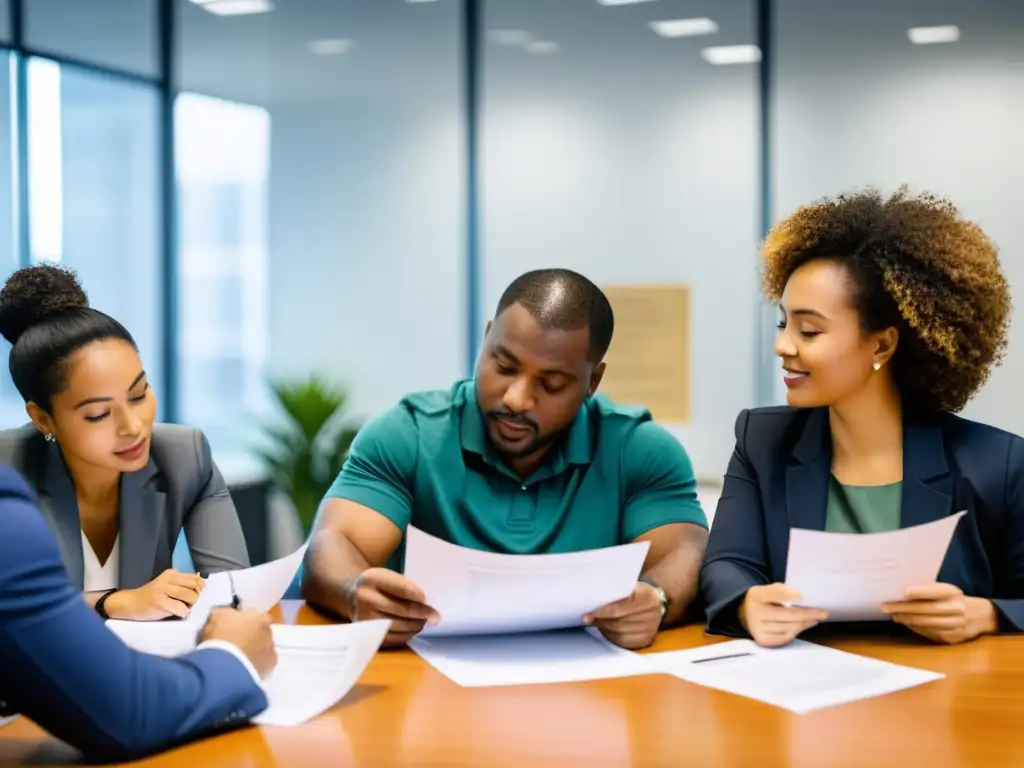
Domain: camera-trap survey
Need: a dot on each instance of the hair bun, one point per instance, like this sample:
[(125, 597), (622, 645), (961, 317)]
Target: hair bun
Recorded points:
[(35, 293)]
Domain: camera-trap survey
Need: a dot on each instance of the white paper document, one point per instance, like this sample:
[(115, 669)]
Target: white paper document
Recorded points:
[(850, 575), (259, 588), (560, 656), (160, 638), (800, 676), (480, 593), (316, 667)]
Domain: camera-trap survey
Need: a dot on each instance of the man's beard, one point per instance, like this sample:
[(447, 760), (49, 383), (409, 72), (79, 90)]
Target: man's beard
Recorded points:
[(539, 441)]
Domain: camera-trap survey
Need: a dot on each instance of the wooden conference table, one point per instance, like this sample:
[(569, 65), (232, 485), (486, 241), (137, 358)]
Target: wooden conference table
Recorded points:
[(403, 713)]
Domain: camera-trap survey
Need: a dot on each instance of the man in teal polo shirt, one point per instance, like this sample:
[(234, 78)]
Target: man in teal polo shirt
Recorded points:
[(525, 458)]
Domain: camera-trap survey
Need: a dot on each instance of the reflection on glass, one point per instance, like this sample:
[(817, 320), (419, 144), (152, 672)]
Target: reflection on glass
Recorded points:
[(113, 33), (93, 187), (222, 156), (12, 410), (45, 193)]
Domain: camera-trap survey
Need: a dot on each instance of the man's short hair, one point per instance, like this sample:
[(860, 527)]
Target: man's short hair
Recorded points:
[(560, 299)]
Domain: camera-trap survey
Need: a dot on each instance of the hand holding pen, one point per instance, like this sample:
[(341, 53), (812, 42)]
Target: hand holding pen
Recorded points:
[(249, 631)]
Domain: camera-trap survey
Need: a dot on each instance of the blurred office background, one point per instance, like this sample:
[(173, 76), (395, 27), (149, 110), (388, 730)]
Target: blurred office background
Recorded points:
[(276, 188)]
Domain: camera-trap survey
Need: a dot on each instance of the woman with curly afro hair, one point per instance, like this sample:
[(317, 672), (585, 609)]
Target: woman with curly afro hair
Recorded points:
[(892, 312)]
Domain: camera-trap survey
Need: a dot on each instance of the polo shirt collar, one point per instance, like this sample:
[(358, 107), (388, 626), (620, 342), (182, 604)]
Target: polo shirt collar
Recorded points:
[(578, 447)]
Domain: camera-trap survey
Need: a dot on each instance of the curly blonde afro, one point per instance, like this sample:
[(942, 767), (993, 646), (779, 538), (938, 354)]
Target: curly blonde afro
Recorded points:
[(916, 264)]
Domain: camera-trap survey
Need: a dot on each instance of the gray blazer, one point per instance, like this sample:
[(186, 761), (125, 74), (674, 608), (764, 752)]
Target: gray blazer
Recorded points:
[(180, 488)]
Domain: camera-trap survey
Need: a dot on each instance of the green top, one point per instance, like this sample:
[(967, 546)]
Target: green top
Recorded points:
[(863, 508), (428, 462)]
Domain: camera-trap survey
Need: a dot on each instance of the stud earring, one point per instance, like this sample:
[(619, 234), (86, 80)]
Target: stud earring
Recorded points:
[(50, 438), (877, 366)]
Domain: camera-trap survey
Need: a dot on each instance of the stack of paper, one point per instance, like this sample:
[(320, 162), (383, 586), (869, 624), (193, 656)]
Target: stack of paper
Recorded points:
[(800, 677), (562, 656)]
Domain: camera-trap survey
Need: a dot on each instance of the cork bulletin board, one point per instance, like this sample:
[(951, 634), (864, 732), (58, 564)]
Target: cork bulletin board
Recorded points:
[(649, 358)]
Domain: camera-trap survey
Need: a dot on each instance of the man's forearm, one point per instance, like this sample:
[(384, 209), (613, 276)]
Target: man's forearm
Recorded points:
[(331, 573), (678, 573)]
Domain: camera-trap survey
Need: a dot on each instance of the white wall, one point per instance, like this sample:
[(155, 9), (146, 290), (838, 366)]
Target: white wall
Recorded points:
[(633, 170), (856, 104)]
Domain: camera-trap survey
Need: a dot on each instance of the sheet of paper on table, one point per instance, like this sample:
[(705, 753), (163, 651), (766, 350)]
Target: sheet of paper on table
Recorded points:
[(479, 593), (851, 574), (800, 676), (560, 656), (316, 667), (159, 638)]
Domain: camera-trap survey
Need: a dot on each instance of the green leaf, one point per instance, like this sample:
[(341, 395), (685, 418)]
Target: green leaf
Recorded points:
[(307, 448)]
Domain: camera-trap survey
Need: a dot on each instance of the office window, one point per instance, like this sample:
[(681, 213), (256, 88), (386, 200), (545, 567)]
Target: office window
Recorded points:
[(12, 409), (114, 33), (222, 155), (365, 191), (613, 145), (94, 205), (858, 102)]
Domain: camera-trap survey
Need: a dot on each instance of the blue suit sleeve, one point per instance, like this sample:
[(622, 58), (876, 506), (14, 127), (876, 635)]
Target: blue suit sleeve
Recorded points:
[(737, 555), (61, 667)]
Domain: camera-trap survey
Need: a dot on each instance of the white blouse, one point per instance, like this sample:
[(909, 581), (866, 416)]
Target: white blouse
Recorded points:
[(99, 578)]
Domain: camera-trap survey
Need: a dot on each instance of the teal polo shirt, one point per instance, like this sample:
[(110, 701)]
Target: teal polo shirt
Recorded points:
[(427, 462)]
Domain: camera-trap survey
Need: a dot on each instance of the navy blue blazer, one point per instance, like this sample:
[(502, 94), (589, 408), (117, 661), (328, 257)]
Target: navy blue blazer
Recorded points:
[(778, 479), (61, 667)]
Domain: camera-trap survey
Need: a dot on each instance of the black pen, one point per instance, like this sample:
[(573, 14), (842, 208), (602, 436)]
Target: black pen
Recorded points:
[(235, 602), (720, 658)]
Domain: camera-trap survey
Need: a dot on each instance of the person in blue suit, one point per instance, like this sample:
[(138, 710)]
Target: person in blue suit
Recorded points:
[(61, 667), (892, 312)]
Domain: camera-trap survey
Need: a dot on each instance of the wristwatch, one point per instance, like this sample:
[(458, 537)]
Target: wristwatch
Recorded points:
[(662, 595), (100, 609)]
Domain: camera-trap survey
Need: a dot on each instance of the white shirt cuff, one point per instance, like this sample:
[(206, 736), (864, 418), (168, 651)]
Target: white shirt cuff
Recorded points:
[(234, 650)]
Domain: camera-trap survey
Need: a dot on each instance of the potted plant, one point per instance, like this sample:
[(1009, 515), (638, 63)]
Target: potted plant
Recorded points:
[(308, 446)]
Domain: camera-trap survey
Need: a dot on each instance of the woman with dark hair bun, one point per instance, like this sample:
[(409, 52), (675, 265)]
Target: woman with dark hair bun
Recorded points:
[(116, 488)]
